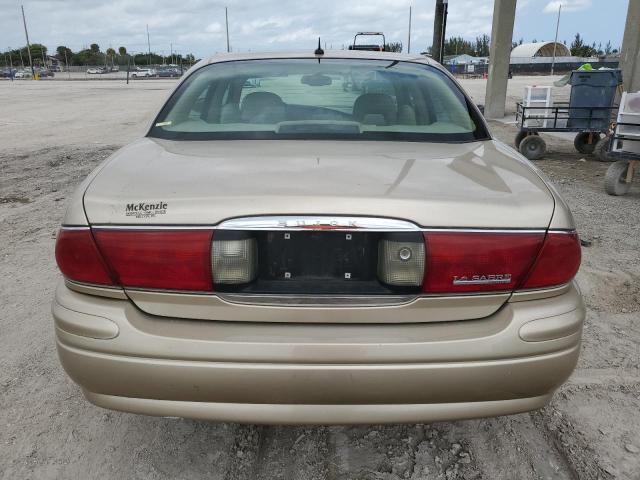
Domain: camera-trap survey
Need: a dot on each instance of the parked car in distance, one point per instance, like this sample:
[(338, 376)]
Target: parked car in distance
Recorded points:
[(97, 70), (275, 249), (43, 72), (144, 73), (55, 68), (168, 72), (23, 74)]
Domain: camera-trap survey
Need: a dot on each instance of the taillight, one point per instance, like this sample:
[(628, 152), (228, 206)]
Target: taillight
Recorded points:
[(79, 259), (163, 259), (468, 262), (401, 261), (558, 261)]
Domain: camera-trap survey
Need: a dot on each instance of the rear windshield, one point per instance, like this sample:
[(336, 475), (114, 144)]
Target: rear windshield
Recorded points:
[(311, 99)]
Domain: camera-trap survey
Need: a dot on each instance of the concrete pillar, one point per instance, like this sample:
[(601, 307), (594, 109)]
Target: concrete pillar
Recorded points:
[(504, 14), (630, 54)]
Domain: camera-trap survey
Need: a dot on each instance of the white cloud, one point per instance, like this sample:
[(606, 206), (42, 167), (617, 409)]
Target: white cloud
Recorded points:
[(567, 5), (198, 26), (214, 27)]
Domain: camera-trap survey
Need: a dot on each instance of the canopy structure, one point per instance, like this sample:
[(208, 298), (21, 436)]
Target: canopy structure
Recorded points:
[(540, 49)]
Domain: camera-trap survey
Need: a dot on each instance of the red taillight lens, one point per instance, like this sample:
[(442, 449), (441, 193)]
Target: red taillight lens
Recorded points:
[(468, 262), (79, 259), (558, 261), (164, 259)]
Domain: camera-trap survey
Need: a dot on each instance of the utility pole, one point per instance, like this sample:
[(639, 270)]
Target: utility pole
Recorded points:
[(149, 45), (439, 30), (409, 36), (66, 63), (172, 60), (26, 34), (555, 43), (226, 21), (11, 74)]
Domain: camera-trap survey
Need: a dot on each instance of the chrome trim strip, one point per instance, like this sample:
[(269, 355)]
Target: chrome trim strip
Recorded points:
[(318, 222), (539, 293), (416, 229), (99, 290), (75, 227), (318, 300), (483, 230), (98, 226)]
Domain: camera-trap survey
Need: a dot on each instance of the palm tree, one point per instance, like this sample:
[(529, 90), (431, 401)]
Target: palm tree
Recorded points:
[(111, 53)]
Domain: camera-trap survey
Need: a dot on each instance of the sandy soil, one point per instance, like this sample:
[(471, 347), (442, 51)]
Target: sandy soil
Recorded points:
[(47, 430)]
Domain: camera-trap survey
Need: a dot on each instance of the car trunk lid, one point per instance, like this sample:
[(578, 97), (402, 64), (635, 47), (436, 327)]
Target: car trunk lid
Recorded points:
[(441, 187)]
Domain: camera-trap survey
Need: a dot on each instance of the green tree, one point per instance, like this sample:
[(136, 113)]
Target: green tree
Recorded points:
[(580, 49), (111, 53), (61, 51), (608, 49), (38, 52), (88, 57), (482, 46), (393, 47), (95, 48), (122, 51), (457, 46)]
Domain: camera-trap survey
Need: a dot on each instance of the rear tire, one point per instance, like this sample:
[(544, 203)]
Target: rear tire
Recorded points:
[(602, 150), (533, 147), (581, 142), (521, 136), (614, 180)]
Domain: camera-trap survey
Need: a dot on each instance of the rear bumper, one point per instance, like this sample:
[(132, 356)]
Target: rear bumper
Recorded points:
[(290, 414), (312, 374)]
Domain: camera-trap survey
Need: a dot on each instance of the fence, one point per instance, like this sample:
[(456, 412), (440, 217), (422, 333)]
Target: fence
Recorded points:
[(532, 66)]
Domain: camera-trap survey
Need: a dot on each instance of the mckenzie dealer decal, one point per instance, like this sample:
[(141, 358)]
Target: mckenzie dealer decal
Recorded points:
[(145, 209)]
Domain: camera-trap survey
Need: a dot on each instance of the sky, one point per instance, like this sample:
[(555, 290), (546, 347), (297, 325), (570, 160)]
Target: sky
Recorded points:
[(197, 26)]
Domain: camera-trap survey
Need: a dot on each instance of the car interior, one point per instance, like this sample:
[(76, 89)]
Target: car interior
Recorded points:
[(340, 101)]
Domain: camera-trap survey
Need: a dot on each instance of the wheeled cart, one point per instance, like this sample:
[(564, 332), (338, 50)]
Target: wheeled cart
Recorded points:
[(590, 123), (624, 149)]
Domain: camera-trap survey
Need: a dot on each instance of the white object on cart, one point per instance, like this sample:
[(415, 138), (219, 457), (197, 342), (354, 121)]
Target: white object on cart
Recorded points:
[(535, 96), (628, 124)]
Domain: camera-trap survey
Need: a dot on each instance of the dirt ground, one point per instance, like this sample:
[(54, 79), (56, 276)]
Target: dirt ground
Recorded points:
[(591, 430)]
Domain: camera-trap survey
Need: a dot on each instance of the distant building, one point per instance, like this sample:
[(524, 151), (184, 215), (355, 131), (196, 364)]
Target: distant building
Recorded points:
[(464, 59), (540, 49), (537, 58)]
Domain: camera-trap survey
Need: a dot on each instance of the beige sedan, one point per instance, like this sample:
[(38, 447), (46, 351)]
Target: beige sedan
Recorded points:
[(288, 245)]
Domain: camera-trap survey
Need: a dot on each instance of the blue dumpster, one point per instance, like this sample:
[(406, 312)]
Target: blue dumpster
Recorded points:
[(591, 89)]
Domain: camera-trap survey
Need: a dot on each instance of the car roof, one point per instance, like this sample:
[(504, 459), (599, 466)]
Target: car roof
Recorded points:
[(347, 54)]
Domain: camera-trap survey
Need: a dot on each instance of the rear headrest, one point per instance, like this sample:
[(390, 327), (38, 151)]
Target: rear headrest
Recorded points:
[(262, 107), (371, 104)]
